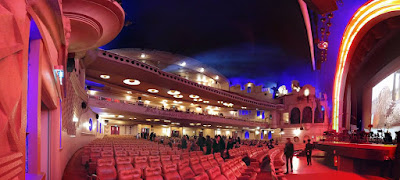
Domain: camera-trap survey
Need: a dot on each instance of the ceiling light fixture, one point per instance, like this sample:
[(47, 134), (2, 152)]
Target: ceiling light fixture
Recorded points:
[(156, 120), (152, 91), (173, 92), (194, 96), (178, 96), (132, 82), (143, 55), (201, 69), (217, 77), (177, 102), (129, 92), (105, 76), (183, 64), (244, 107), (206, 101), (167, 121)]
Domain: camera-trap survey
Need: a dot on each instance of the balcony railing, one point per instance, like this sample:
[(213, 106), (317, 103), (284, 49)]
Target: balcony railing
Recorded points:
[(141, 108)]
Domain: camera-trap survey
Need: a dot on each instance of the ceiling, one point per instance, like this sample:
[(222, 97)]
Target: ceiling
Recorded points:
[(259, 41)]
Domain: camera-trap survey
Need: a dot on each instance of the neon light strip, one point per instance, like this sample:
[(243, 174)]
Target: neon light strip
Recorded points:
[(364, 14)]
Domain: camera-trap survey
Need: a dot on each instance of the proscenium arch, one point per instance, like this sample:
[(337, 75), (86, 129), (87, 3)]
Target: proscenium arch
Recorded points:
[(295, 116), (365, 17)]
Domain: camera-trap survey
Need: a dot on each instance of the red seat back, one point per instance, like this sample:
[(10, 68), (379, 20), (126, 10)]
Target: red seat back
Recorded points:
[(123, 160), (105, 162), (202, 176)]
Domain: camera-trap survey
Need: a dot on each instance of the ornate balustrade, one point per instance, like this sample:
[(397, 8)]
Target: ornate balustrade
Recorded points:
[(140, 108)]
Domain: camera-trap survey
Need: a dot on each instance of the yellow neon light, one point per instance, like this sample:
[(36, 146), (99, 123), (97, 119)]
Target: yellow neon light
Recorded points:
[(364, 14)]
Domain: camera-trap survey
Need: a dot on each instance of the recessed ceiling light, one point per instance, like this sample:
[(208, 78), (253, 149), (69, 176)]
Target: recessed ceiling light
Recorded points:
[(134, 118), (201, 69), (156, 120), (131, 82), (120, 116), (105, 76), (206, 101), (177, 102), (198, 124), (183, 64), (147, 102), (91, 92), (128, 98), (192, 124), (178, 96), (148, 119), (217, 77), (129, 92), (194, 96), (152, 90), (244, 107), (143, 55), (167, 121), (173, 92)]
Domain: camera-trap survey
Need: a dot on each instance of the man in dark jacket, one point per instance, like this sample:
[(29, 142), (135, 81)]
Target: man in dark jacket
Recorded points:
[(217, 144), (184, 143), (209, 145), (308, 150), (289, 151), (200, 142)]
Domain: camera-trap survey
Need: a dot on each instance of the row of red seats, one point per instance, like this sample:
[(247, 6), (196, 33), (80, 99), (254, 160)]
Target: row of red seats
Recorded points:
[(195, 169), (276, 162)]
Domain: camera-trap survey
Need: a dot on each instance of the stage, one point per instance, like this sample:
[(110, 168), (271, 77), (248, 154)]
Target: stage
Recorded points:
[(372, 159)]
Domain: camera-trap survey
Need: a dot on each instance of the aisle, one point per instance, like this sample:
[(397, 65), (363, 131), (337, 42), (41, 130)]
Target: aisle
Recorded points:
[(74, 169)]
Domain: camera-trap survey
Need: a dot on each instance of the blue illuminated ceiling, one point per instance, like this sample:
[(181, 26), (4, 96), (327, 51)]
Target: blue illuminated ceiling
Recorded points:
[(258, 41)]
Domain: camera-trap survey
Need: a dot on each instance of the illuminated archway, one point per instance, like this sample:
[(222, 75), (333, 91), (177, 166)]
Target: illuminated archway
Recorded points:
[(366, 16)]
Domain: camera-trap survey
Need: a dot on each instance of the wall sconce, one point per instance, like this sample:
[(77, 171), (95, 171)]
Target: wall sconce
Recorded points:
[(75, 119)]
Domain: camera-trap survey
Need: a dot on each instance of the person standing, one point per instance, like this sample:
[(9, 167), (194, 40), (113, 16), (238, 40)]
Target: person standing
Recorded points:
[(184, 142), (289, 151), (200, 142), (308, 150), (217, 144), (208, 145)]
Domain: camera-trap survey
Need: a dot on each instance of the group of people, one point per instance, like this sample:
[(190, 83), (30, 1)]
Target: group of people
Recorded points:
[(209, 145), (289, 152)]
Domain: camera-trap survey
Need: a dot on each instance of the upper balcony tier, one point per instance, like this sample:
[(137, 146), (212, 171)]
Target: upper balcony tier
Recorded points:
[(119, 68), (94, 23), (146, 114)]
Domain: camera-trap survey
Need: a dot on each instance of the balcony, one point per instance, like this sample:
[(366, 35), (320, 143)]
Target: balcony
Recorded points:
[(142, 109)]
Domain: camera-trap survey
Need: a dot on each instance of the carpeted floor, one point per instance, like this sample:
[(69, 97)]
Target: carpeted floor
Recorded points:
[(74, 169)]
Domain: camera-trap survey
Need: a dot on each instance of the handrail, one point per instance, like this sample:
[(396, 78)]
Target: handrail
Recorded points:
[(153, 107)]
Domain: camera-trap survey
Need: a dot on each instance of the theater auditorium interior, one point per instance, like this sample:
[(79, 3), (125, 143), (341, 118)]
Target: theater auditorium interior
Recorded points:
[(199, 90)]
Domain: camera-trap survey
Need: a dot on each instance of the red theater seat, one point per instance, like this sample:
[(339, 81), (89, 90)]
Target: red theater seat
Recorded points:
[(202, 176), (219, 159), (212, 161), (154, 161), (153, 173), (145, 153), (106, 162), (215, 174), (133, 153), (121, 167), (107, 154), (141, 162), (196, 166), (199, 153), (121, 153), (123, 160), (166, 159), (186, 173), (204, 162), (106, 172), (183, 164), (175, 159), (170, 172), (95, 149), (154, 153), (193, 154)]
